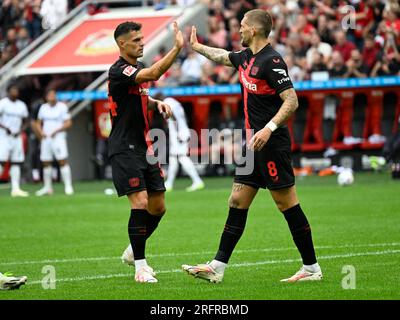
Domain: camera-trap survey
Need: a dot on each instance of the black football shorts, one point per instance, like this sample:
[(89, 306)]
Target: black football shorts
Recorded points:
[(272, 169), (132, 173)]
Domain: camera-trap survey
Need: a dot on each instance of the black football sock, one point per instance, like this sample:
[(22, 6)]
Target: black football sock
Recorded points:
[(137, 232), (233, 230), (301, 233), (151, 224)]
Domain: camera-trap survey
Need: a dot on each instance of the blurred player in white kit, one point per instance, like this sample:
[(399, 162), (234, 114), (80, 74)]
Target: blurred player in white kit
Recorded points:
[(13, 116), (179, 136), (52, 122)]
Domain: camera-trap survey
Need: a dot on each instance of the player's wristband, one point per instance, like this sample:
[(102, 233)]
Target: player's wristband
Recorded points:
[(271, 126)]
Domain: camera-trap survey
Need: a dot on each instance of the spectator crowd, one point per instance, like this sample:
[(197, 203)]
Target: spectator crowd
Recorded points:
[(318, 39)]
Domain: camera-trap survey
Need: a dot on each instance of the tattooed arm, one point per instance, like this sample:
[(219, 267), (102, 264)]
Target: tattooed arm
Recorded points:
[(217, 55), (290, 104)]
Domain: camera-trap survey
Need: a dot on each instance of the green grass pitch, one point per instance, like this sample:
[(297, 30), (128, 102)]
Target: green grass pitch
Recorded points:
[(83, 236)]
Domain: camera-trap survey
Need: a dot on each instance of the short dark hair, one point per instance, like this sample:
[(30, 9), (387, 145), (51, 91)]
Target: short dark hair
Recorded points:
[(262, 19), (11, 86), (126, 27)]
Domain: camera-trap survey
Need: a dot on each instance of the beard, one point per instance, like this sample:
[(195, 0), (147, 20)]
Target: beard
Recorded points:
[(244, 42)]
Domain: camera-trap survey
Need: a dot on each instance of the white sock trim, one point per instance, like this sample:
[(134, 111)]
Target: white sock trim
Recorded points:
[(312, 268), (139, 264), (47, 177), (218, 266), (66, 175), (15, 174)]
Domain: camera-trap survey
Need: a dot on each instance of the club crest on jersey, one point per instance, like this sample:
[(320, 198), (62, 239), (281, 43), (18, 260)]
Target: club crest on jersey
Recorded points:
[(129, 70), (281, 71), (134, 182), (254, 70)]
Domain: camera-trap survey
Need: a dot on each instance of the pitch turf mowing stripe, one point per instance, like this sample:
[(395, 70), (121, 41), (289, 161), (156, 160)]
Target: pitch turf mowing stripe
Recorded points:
[(235, 265), (173, 254)]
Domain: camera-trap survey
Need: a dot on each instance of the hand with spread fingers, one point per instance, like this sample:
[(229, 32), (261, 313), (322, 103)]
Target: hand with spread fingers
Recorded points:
[(260, 139), (164, 109)]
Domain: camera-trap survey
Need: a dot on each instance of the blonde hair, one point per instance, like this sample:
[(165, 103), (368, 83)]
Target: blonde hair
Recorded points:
[(260, 18)]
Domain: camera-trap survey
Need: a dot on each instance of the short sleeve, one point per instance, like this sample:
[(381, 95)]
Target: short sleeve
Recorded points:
[(277, 74), (237, 58), (25, 112), (40, 113), (124, 73), (65, 113)]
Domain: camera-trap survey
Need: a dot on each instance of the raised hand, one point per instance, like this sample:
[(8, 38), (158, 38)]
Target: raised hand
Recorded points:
[(193, 37), (178, 36)]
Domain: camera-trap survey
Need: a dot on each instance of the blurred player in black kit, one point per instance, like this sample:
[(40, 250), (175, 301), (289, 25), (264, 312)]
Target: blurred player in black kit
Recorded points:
[(133, 175)]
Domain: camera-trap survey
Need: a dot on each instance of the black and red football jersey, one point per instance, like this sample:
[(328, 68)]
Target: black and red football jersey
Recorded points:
[(128, 108), (263, 76)]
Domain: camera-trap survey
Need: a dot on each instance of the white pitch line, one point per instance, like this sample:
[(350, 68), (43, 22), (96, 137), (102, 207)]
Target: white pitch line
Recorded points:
[(173, 254), (5, 186), (235, 265)]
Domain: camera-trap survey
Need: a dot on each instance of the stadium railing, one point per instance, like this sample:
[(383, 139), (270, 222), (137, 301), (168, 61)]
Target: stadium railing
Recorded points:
[(364, 108)]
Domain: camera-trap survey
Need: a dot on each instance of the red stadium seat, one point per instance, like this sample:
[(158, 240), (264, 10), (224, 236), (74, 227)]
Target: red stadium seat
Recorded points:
[(5, 176), (373, 119), (313, 140), (343, 123), (397, 117), (290, 124)]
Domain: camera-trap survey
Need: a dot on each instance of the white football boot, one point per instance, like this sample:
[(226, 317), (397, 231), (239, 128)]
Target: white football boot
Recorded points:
[(69, 191), (127, 256), (203, 271), (10, 282), (145, 275), (44, 192), (195, 187), (304, 275), (19, 193)]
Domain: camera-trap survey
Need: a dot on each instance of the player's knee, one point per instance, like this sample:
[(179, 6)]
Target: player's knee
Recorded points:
[(283, 205), (158, 210), (235, 202), (140, 204)]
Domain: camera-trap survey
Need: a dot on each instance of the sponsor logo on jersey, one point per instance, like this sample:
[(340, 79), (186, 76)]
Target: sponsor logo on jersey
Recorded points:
[(129, 70), (247, 84), (281, 71), (283, 80)]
